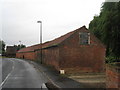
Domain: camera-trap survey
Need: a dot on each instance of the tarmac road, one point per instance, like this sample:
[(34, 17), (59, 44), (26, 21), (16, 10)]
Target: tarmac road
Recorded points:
[(17, 73)]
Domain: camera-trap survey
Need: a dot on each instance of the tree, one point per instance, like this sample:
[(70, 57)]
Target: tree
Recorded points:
[(19, 46), (2, 47), (106, 27)]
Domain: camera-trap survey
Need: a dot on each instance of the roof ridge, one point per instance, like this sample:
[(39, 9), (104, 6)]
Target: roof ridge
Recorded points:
[(53, 42)]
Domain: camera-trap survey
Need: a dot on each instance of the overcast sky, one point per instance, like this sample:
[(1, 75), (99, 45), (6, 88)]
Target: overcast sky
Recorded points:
[(19, 18)]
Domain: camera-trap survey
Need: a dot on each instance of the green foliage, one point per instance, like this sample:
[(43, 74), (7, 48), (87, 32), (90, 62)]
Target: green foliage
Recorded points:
[(106, 27), (110, 59), (2, 47), (19, 46)]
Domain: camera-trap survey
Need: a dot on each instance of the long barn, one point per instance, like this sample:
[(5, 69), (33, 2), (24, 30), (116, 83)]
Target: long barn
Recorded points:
[(76, 51)]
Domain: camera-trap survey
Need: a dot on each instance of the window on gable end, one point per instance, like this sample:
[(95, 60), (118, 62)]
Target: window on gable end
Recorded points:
[(84, 38)]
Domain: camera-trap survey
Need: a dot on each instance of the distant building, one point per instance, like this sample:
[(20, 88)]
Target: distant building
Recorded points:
[(76, 51), (11, 51)]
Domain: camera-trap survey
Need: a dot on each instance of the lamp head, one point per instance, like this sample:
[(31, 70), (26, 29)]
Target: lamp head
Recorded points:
[(39, 21)]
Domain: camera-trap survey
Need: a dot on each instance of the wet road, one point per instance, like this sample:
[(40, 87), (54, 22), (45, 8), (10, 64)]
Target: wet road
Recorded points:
[(17, 73)]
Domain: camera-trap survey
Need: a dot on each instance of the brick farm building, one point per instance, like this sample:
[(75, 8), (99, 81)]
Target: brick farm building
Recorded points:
[(11, 51), (76, 51)]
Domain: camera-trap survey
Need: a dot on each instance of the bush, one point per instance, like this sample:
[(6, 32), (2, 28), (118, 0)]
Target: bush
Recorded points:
[(110, 59)]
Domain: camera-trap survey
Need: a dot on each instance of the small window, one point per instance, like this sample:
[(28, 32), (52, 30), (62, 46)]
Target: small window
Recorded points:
[(84, 38)]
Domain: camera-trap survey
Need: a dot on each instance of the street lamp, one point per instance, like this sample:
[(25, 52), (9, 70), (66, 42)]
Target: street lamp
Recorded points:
[(40, 31), (40, 39), (20, 42)]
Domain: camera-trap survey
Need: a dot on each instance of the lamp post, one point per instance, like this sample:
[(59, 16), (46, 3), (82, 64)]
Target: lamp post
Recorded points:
[(20, 42), (40, 39)]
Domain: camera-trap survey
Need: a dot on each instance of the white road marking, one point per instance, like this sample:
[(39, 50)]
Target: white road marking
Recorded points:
[(7, 75)]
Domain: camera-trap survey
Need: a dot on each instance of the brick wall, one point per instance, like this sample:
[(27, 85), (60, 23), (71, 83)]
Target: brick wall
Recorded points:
[(82, 58), (50, 56), (19, 55), (26, 55), (29, 55), (113, 77)]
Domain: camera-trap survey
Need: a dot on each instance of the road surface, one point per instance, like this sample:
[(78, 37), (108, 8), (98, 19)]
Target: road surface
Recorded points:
[(17, 73)]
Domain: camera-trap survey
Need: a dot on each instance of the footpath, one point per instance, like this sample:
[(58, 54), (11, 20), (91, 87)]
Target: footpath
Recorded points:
[(60, 81), (93, 81)]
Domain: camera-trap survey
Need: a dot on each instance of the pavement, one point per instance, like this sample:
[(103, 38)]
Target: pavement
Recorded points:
[(88, 81), (91, 80), (60, 81), (18, 73)]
